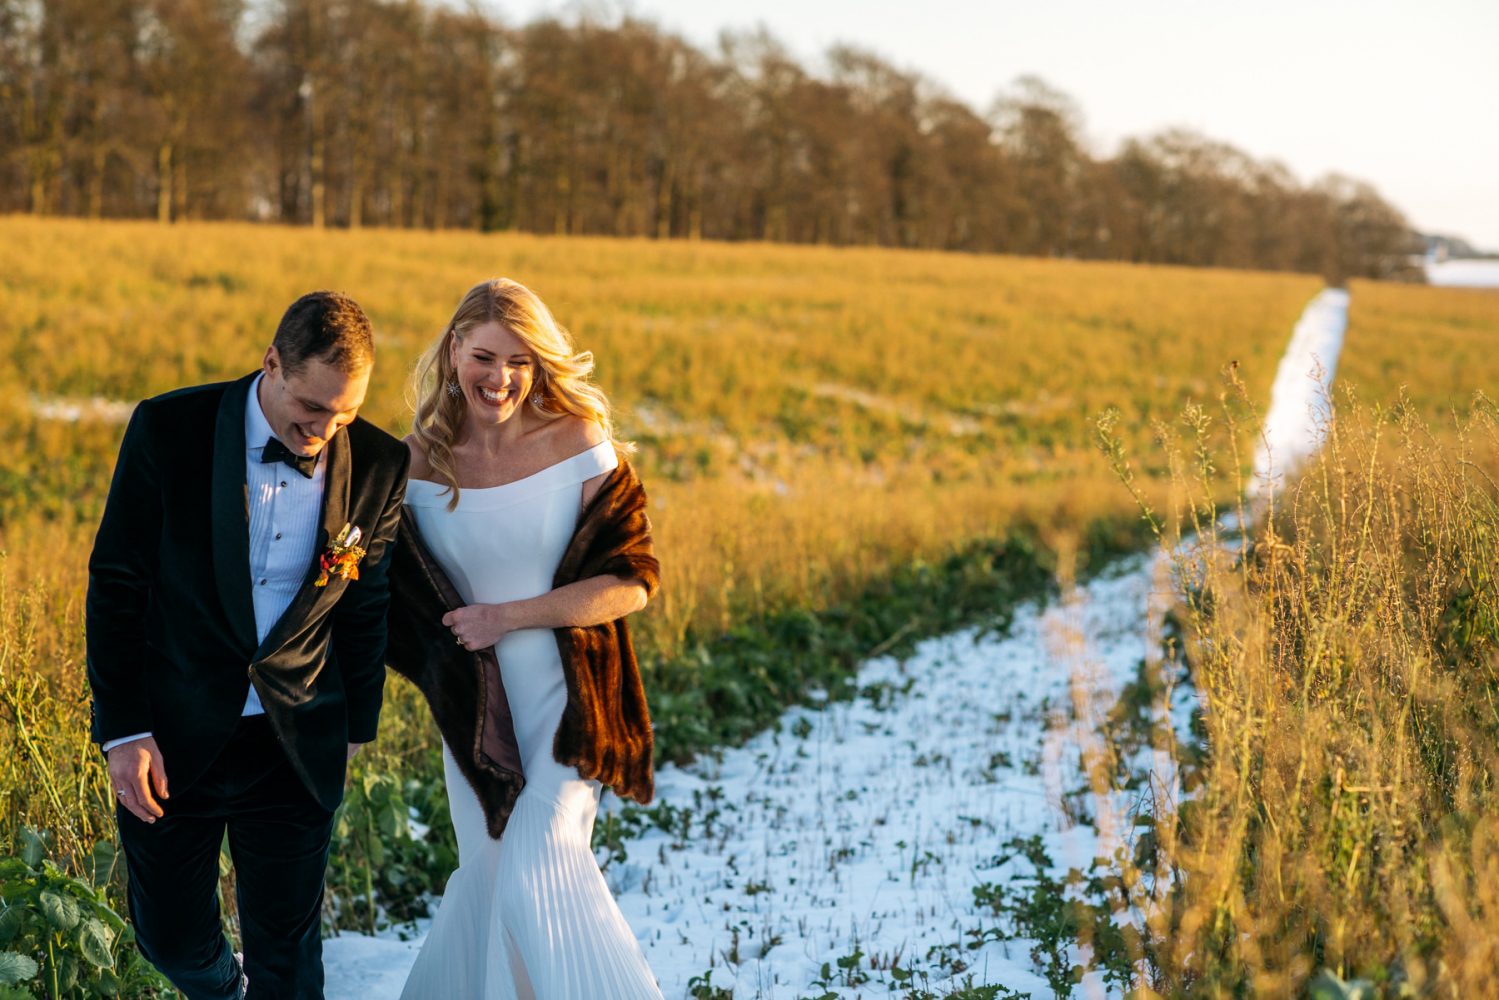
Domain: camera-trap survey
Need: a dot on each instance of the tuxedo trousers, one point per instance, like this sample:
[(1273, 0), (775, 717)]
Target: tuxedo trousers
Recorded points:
[(278, 840)]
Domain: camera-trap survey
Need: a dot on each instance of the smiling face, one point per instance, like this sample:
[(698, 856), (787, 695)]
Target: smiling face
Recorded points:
[(496, 371), (307, 407)]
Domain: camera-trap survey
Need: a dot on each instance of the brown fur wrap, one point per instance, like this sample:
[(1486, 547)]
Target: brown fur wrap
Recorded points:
[(606, 727), (605, 730)]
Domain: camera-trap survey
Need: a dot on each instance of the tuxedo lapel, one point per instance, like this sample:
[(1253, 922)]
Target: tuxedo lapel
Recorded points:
[(337, 476), (336, 488), (231, 513)]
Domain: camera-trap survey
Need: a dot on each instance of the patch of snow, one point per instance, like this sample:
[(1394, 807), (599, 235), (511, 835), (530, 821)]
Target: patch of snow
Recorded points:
[(75, 410), (1464, 273), (365, 967), (1301, 398)]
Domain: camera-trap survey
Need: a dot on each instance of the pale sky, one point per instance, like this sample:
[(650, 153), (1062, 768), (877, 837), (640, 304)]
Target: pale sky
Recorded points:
[(1402, 94)]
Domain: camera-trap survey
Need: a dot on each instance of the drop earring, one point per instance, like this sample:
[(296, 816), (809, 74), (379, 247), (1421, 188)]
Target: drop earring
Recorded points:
[(453, 389)]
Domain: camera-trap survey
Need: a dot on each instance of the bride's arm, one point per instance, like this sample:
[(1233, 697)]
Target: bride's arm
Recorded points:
[(593, 601)]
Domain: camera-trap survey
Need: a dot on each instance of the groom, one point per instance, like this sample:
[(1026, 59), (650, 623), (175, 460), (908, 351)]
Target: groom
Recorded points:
[(236, 634)]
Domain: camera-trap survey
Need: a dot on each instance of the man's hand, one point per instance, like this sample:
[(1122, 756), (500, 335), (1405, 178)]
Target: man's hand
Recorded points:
[(354, 749), (135, 770)]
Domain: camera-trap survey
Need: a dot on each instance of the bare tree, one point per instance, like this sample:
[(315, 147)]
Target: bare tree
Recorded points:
[(1039, 128)]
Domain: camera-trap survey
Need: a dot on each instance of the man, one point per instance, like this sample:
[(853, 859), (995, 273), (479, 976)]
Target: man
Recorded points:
[(236, 635)]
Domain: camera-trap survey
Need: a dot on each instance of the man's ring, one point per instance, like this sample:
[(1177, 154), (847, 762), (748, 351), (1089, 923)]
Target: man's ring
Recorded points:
[(120, 792), (457, 640)]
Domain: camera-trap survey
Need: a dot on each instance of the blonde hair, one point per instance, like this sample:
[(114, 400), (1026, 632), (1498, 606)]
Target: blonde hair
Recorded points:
[(562, 375)]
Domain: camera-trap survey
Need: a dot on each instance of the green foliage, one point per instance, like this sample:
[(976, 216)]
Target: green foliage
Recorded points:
[(15, 967), (1330, 986), (702, 988), (967, 990), (905, 982), (844, 971), (58, 935), (380, 869), (629, 821), (1040, 907)]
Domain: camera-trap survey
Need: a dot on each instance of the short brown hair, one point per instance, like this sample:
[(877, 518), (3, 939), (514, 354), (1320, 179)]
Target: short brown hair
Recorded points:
[(326, 326)]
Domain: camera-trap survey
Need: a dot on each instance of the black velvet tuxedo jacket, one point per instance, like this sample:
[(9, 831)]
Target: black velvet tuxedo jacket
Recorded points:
[(170, 620)]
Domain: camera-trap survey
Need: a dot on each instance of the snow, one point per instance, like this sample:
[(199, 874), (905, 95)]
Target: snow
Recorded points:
[(1300, 399), (366, 967), (868, 823), (1464, 273), (91, 409)]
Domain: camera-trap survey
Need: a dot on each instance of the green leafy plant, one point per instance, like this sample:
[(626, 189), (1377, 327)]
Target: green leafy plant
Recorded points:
[(702, 988), (381, 867), (58, 935)]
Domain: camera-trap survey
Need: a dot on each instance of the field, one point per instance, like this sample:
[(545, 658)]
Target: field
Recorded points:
[(808, 419), (1435, 343), (846, 450)]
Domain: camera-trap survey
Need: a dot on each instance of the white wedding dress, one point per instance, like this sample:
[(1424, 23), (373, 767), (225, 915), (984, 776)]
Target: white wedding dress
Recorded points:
[(528, 916)]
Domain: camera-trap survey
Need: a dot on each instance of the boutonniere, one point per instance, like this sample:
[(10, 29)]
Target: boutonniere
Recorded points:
[(342, 557)]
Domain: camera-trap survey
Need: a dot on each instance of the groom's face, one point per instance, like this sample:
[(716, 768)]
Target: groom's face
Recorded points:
[(307, 407)]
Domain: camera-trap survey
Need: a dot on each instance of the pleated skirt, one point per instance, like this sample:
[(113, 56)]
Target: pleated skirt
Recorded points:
[(529, 916)]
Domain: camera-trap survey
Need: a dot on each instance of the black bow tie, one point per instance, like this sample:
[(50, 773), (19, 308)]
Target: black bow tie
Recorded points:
[(275, 451)]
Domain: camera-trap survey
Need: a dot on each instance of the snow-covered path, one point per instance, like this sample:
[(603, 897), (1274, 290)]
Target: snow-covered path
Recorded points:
[(1301, 398), (866, 825), (863, 824)]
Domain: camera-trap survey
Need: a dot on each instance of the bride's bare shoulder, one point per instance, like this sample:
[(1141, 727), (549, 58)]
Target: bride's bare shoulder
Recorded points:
[(571, 434), (420, 467)]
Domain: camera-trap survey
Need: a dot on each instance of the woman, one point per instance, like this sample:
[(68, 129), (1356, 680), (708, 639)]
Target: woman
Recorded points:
[(524, 541)]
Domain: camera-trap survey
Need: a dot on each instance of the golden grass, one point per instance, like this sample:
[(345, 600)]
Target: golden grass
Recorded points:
[(804, 380), (1342, 818), (808, 418), (1441, 345)]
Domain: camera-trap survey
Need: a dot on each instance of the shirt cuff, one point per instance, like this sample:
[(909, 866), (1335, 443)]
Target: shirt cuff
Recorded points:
[(109, 745)]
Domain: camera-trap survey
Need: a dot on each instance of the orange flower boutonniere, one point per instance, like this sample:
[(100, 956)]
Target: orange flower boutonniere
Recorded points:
[(342, 557)]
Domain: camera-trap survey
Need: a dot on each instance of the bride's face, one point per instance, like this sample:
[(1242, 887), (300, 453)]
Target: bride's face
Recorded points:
[(495, 370)]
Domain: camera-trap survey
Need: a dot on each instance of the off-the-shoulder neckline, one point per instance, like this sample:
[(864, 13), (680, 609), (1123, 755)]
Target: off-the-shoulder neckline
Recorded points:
[(516, 482)]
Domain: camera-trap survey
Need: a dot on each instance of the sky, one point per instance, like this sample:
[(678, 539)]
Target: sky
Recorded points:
[(1404, 95)]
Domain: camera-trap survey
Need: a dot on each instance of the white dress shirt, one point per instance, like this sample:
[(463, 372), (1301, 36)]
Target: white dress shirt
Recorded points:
[(285, 514)]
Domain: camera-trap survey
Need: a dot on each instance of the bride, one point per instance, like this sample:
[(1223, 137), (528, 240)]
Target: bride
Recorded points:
[(524, 545)]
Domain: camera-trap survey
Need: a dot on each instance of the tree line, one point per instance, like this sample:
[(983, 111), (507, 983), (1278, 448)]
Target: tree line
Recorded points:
[(408, 114)]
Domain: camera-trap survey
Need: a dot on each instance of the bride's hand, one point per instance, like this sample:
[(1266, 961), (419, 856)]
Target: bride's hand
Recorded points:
[(477, 626)]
